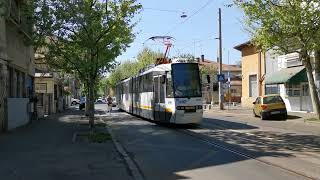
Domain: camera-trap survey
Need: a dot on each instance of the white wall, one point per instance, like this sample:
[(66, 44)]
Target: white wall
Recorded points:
[(18, 112)]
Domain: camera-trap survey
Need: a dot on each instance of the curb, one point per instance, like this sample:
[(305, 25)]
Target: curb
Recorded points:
[(311, 122), (133, 168)]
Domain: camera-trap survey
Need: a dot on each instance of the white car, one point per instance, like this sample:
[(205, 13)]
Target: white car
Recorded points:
[(74, 101), (101, 101)]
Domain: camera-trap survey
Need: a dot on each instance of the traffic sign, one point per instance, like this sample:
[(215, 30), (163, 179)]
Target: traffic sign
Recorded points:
[(228, 83), (221, 77)]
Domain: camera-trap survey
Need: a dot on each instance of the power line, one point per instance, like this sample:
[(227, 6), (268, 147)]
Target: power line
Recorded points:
[(163, 10), (195, 13)]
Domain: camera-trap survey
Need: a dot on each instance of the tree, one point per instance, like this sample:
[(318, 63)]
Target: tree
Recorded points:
[(287, 26), (84, 37), (189, 57), (127, 69), (208, 70), (147, 57)]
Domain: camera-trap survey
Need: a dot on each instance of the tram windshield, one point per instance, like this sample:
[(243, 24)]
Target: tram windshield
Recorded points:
[(186, 80)]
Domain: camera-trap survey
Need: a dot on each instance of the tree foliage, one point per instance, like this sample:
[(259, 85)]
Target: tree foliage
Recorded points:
[(127, 69), (84, 36), (189, 57), (208, 70), (287, 26)]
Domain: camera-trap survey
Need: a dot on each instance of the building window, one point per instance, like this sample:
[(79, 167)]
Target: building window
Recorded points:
[(272, 89), (18, 83), (41, 87), (305, 90), (293, 90), (233, 91), (11, 83), (23, 79), (55, 92), (40, 99), (253, 86), (293, 60)]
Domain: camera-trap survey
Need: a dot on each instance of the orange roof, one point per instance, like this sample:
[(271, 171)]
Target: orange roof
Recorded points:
[(240, 46), (236, 82), (225, 67)]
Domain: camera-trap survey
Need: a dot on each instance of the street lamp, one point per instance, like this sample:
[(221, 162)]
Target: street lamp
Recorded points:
[(183, 15)]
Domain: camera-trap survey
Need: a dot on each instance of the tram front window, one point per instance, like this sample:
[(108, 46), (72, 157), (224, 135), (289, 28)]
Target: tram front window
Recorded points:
[(186, 80)]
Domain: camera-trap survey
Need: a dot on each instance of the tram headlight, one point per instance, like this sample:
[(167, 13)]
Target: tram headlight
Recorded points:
[(199, 107), (180, 107)]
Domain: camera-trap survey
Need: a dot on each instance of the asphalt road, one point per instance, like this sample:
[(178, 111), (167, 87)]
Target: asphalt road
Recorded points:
[(166, 152)]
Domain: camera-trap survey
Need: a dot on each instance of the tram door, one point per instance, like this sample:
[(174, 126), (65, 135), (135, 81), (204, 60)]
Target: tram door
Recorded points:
[(159, 99)]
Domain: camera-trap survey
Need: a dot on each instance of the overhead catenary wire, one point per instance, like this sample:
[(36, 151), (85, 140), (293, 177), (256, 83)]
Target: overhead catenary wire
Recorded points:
[(163, 10), (193, 14)]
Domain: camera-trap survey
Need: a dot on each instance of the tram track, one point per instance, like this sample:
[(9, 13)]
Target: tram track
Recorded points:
[(228, 147), (208, 140)]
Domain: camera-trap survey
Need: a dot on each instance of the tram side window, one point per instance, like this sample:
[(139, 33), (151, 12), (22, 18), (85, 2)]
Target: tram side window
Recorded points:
[(150, 84), (139, 80), (135, 85), (127, 90), (143, 81), (147, 83), (169, 88), (121, 90)]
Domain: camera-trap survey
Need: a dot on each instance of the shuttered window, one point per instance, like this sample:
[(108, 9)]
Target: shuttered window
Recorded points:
[(253, 86)]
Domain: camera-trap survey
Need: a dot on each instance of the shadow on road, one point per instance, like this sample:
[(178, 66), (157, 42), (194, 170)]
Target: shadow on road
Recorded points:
[(293, 117), (279, 118), (160, 151), (260, 141), (161, 143)]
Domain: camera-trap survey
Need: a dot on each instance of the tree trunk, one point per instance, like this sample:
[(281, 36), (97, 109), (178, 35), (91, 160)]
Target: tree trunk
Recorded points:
[(312, 86), (87, 99), (317, 69), (91, 105)]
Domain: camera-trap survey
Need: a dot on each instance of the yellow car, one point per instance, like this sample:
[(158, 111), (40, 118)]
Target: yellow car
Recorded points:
[(269, 105)]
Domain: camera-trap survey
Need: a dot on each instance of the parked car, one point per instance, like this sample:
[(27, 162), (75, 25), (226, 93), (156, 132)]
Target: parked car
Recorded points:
[(82, 103), (114, 102), (101, 101), (74, 101), (269, 105)]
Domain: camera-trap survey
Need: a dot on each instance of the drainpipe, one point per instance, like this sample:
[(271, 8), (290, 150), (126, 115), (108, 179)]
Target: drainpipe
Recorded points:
[(259, 73)]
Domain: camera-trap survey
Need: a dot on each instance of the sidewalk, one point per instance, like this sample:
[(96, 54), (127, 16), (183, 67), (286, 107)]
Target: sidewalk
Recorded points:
[(45, 150), (296, 122), (298, 116)]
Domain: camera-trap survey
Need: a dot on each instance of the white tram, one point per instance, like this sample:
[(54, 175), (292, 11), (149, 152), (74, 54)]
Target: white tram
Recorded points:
[(165, 93)]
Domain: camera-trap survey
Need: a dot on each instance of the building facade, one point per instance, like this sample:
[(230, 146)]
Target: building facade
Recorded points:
[(16, 68), (291, 82), (49, 87), (253, 73), (268, 72), (210, 90)]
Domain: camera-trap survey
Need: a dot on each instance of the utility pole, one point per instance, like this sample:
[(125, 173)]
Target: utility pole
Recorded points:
[(220, 63)]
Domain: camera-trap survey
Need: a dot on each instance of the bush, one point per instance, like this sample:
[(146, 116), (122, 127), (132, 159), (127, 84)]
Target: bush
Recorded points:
[(99, 137)]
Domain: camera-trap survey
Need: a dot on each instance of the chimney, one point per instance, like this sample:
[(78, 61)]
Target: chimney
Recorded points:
[(202, 58)]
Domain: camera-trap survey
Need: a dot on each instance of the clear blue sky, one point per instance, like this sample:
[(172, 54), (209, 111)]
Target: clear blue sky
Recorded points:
[(194, 35)]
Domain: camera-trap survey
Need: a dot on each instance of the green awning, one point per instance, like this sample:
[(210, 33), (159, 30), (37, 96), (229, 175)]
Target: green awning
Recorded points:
[(293, 75)]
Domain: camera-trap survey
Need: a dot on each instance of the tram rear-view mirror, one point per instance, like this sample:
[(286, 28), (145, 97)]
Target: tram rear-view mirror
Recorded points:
[(163, 79), (208, 79)]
